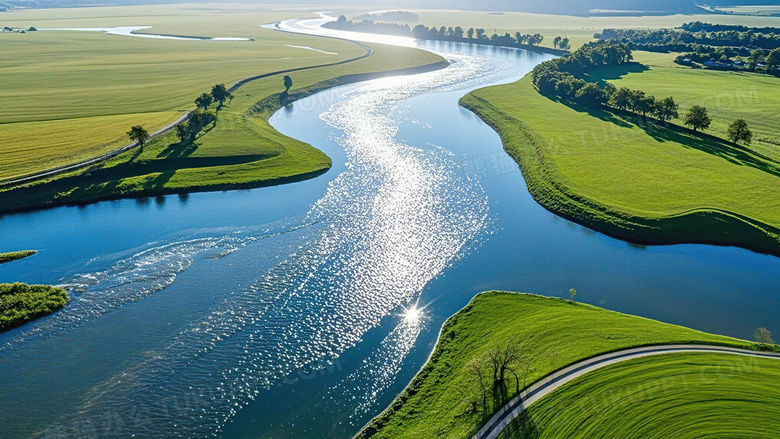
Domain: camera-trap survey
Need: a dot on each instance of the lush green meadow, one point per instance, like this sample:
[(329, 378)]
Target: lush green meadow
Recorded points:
[(68, 95), (240, 150), (677, 395), (21, 303), (553, 332), (637, 181), (727, 95), (15, 256)]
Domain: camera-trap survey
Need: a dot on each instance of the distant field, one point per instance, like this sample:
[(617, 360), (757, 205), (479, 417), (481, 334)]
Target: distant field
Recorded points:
[(240, 150), (578, 29), (678, 395), (68, 95), (554, 333), (727, 95)]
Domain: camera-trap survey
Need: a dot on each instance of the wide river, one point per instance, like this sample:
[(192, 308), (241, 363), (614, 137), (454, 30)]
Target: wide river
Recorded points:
[(283, 312)]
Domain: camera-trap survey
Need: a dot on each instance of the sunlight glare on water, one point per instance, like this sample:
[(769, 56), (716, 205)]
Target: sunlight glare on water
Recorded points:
[(389, 224)]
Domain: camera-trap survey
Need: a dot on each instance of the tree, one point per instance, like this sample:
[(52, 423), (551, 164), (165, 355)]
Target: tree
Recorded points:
[(666, 109), (458, 33), (755, 57), (538, 38), (470, 33), (609, 90), (641, 103), (204, 101), (288, 83), (621, 99), (773, 59), (183, 132), (138, 134), (763, 336), (480, 33), (556, 41), (739, 132), (697, 118), (573, 295), (220, 94), (590, 94), (564, 44)]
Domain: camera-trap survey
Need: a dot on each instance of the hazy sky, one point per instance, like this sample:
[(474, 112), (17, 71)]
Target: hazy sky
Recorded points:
[(572, 7)]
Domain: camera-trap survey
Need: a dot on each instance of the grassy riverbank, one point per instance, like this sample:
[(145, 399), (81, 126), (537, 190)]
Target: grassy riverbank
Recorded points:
[(241, 150), (15, 256), (683, 396), (638, 182), (553, 333), (20, 303)]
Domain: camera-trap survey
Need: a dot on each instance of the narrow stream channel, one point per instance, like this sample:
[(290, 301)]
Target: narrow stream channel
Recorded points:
[(282, 312)]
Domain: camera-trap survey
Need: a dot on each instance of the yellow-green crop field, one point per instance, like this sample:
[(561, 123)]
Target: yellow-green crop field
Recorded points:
[(71, 95)]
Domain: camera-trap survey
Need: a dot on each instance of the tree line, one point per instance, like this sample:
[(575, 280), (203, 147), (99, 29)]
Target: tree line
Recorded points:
[(557, 78), (757, 60), (657, 39), (444, 33), (188, 130)]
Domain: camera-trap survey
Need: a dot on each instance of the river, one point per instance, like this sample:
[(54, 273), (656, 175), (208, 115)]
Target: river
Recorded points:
[(302, 310)]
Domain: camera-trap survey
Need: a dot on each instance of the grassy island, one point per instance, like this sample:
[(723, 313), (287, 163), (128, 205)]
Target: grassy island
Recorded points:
[(643, 182), (15, 256), (21, 303), (553, 333)]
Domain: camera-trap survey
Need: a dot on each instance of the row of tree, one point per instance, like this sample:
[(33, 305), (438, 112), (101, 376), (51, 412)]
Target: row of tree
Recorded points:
[(698, 26), (444, 33), (758, 60), (188, 130), (670, 37), (556, 77)]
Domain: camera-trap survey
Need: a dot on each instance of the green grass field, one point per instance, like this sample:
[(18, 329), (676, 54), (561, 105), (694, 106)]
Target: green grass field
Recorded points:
[(556, 333), (677, 395), (727, 95), (20, 303), (15, 256), (241, 150), (643, 183), (79, 92)]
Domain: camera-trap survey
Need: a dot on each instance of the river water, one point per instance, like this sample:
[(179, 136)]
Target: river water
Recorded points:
[(302, 310)]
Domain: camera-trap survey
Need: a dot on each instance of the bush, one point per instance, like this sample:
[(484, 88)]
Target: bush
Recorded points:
[(21, 303)]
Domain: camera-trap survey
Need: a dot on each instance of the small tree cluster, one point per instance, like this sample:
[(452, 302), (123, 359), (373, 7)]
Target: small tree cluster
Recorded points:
[(188, 131), (493, 372), (219, 93)]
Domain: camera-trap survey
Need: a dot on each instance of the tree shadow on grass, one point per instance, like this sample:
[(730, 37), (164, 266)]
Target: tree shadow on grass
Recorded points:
[(610, 73), (522, 427), (176, 150), (669, 132)]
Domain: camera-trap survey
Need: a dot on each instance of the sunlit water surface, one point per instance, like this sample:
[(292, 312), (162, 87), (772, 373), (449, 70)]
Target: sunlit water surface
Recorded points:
[(301, 310)]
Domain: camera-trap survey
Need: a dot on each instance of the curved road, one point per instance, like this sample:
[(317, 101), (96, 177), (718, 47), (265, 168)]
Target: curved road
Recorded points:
[(547, 385)]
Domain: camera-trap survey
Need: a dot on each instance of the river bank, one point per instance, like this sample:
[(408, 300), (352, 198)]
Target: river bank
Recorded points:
[(565, 194), (153, 171), (443, 400)]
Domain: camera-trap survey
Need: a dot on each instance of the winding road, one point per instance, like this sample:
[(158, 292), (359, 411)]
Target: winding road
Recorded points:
[(544, 387)]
